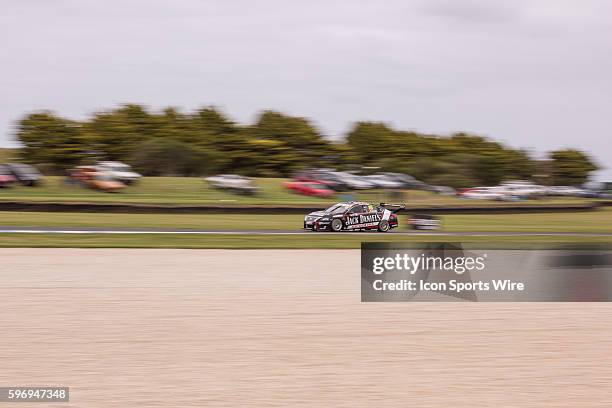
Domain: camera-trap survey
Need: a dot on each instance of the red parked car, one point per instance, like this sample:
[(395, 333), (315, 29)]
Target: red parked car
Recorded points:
[(309, 188), (6, 176)]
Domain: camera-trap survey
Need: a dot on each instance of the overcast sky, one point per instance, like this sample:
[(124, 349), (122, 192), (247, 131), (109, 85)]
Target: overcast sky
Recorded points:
[(531, 73)]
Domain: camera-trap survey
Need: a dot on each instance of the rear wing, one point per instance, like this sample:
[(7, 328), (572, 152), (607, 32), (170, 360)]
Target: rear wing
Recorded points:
[(394, 208)]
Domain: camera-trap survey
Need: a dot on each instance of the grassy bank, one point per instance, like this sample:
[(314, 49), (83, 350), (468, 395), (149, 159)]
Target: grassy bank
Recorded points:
[(275, 241), (591, 221), (586, 222), (194, 191)]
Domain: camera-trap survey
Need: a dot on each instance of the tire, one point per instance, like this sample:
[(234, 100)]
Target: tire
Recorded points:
[(384, 226), (336, 225)]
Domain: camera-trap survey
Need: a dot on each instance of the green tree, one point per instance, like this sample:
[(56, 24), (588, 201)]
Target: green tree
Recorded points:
[(223, 135), (267, 158), (214, 122), (307, 145), (116, 133), (570, 167), (173, 124), (277, 144), (371, 140), (51, 141), (170, 157)]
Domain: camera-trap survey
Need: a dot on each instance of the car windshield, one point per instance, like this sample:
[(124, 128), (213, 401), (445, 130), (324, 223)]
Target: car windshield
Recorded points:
[(337, 209)]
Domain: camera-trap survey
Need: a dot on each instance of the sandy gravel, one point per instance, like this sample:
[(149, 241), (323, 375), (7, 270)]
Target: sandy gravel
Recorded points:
[(193, 328)]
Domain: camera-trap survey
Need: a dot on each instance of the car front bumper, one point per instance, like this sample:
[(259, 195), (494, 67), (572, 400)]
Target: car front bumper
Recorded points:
[(316, 225)]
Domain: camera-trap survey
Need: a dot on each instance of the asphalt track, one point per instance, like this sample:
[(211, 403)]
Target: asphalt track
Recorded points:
[(102, 230)]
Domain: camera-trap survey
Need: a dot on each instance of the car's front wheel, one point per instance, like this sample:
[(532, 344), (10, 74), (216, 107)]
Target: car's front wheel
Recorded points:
[(384, 226), (336, 225)]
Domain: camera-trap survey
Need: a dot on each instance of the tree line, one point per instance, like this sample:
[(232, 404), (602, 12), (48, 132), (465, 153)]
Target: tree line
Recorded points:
[(206, 141)]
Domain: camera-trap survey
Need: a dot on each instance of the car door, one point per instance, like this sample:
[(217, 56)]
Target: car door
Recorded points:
[(370, 217), (351, 217)]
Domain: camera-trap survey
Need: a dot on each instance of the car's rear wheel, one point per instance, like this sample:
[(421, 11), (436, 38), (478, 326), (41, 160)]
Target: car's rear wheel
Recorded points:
[(336, 225), (384, 226)]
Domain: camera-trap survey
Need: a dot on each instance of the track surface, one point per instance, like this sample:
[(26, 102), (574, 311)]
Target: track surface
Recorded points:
[(102, 230), (280, 328)]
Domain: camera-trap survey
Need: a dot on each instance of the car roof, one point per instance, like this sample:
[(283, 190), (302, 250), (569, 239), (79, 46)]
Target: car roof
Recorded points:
[(353, 203)]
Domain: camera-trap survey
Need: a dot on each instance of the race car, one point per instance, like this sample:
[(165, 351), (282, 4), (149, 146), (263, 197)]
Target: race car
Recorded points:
[(354, 216)]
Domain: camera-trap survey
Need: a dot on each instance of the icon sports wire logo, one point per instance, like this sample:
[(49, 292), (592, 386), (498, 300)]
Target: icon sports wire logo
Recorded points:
[(440, 271)]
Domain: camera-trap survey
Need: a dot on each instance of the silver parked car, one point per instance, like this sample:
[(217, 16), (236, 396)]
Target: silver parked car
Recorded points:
[(233, 182), (119, 171)]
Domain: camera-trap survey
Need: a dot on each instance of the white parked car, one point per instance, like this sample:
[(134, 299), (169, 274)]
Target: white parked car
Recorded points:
[(119, 171), (566, 191), (233, 182), (487, 193), (523, 189)]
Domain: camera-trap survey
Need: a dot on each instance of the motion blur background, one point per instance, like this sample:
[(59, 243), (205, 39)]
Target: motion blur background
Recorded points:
[(530, 74), (148, 129)]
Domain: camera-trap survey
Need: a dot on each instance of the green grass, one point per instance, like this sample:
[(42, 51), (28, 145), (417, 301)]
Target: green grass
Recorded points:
[(155, 190), (194, 191), (593, 221), (586, 221), (276, 241), (599, 220)]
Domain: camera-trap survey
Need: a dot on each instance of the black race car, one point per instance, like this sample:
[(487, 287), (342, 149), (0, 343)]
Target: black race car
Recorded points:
[(354, 216)]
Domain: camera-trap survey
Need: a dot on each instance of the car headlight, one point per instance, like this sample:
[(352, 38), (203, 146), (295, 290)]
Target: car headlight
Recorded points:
[(324, 219)]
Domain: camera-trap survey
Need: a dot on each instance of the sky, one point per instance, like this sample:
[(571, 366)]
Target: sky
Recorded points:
[(534, 74)]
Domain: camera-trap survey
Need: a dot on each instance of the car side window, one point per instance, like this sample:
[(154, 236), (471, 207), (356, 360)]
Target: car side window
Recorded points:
[(365, 209), (355, 209)]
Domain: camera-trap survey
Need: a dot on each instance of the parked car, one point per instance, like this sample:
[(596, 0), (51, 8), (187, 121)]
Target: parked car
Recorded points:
[(354, 216), (91, 177), (309, 188), (25, 174), (598, 189), (105, 182), (383, 181), (119, 171), (565, 191), (355, 182), (6, 176), (324, 176), (487, 193), (407, 180), (233, 182), (424, 222), (443, 190), (523, 189)]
